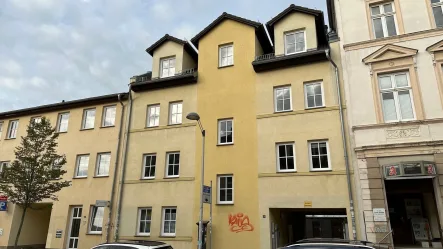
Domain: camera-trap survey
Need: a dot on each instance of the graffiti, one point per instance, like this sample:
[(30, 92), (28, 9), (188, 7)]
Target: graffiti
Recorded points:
[(240, 223)]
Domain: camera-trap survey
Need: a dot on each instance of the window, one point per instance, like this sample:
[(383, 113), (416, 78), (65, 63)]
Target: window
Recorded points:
[(285, 157), (3, 166), (82, 166), (62, 124), (225, 185), (383, 20), (226, 131), (103, 162), (396, 97), (149, 166), (88, 119), (96, 220), (169, 221), (153, 115), (144, 221), (226, 55), (295, 42), (13, 127), (437, 9), (175, 113), (1, 129), (36, 119), (173, 164), (314, 95), (282, 99), (167, 67), (319, 155), (108, 116)]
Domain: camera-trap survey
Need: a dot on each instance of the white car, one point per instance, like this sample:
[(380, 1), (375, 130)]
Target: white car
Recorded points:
[(134, 245)]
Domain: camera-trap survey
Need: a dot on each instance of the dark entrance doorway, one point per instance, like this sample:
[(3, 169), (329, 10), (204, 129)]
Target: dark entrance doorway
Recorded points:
[(412, 211)]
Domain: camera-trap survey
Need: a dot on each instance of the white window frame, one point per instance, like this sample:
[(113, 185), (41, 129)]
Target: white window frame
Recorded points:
[(104, 116), (145, 156), (286, 157), (219, 132), (139, 220), (85, 112), (436, 5), (395, 91), (98, 163), (294, 33), (219, 201), (383, 16), (164, 220), (92, 219), (220, 58), (60, 119), (310, 155), (171, 70), (77, 164), (276, 89), (322, 95), (156, 109), (167, 164), (1, 128), (12, 129), (36, 119), (178, 103)]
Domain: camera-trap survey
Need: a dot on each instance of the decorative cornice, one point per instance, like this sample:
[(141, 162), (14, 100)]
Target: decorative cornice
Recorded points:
[(399, 145), (295, 174), (397, 124)]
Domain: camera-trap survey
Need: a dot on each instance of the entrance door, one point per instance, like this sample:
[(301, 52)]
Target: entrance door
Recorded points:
[(74, 227)]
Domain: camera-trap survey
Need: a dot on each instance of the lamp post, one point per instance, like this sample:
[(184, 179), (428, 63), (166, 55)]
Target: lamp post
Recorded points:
[(196, 117)]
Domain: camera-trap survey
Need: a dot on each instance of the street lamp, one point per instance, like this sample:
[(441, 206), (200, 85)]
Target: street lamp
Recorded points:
[(196, 117)]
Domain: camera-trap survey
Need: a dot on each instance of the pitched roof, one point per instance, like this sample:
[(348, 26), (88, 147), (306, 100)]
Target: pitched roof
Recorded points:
[(220, 19), (319, 22), (162, 40)]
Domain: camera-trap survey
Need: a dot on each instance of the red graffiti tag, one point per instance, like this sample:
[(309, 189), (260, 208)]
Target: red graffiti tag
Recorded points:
[(240, 223)]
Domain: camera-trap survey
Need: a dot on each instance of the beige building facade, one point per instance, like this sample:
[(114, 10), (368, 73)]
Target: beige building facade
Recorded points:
[(391, 54), (88, 135)]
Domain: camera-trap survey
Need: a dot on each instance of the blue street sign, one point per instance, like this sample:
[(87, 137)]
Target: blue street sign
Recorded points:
[(206, 189), (206, 194), (3, 206)]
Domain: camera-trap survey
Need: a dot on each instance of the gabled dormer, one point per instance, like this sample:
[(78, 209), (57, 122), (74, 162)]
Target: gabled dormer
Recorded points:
[(171, 56), (298, 35)]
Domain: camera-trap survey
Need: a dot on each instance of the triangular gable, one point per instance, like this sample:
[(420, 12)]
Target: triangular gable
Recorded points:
[(436, 47), (389, 52), (162, 40)]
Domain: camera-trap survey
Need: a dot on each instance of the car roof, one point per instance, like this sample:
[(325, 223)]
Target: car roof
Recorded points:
[(138, 244), (329, 244)]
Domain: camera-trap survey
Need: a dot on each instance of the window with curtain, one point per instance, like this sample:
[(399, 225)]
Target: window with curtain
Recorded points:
[(396, 97)]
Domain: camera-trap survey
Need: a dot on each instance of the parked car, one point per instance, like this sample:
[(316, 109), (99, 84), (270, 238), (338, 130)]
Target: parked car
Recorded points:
[(134, 245), (324, 243)]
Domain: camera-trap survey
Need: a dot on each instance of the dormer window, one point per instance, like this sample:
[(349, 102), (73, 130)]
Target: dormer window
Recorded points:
[(295, 42), (167, 67)]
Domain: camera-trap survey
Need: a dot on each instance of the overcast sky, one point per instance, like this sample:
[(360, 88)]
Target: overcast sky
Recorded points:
[(54, 50)]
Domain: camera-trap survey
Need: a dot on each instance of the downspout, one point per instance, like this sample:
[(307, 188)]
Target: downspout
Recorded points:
[(345, 147), (117, 158), (125, 152)]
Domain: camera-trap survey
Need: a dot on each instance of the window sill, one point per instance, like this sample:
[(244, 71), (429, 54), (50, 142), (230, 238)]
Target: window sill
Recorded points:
[(170, 125), (299, 52), (220, 67), (142, 235), (283, 111), (61, 132), (87, 129), (104, 176), (286, 171), (151, 178), (225, 144), (225, 204), (169, 177), (79, 177), (10, 138), (100, 234), (319, 170), (109, 126), (167, 236), (316, 107), (149, 127)]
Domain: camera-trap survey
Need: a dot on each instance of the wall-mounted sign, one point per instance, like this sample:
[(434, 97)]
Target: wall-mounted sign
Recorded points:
[(101, 203), (420, 226), (3, 203), (405, 169), (308, 203), (379, 214), (380, 229), (58, 233), (207, 194)]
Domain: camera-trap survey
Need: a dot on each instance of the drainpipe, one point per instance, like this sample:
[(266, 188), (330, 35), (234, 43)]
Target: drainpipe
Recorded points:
[(117, 158), (125, 152), (345, 147)]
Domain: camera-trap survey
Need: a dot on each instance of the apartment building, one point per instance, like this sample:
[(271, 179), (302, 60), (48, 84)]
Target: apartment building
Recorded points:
[(268, 103), (89, 131), (392, 53)]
